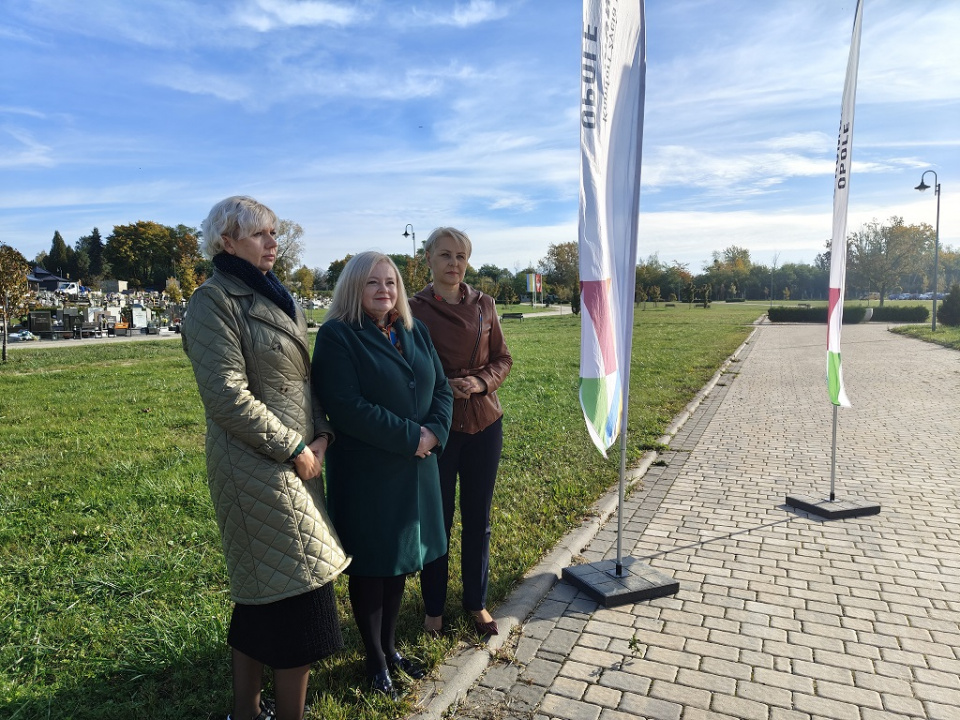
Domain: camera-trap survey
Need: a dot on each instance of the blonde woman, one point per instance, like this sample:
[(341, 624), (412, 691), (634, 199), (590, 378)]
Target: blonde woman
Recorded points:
[(381, 383)]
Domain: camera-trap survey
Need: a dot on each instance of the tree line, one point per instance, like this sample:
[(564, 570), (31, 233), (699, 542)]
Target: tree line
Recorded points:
[(883, 258)]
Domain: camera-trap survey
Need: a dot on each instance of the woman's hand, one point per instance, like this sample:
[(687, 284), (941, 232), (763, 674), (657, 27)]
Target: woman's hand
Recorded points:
[(319, 447), (464, 387), (307, 464), (428, 441)]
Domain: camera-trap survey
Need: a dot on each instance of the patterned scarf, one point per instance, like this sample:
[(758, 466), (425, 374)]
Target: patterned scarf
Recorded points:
[(267, 284), (387, 328)]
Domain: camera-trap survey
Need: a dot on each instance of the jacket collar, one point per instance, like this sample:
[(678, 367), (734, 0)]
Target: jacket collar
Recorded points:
[(265, 310)]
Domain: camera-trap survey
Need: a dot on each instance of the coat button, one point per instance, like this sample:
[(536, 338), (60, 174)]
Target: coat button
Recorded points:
[(412, 385)]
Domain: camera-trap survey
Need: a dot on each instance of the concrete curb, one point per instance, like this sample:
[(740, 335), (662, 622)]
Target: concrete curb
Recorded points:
[(462, 671)]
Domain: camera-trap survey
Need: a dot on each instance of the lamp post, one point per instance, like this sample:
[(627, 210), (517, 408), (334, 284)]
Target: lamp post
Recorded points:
[(412, 234), (936, 243)]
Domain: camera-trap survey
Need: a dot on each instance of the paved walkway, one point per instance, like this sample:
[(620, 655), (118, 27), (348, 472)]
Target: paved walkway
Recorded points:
[(780, 615)]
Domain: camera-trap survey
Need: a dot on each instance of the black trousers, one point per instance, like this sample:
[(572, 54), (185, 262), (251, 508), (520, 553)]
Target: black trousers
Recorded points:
[(474, 460)]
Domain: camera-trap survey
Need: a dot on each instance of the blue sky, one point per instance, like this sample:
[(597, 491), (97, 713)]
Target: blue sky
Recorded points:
[(356, 118)]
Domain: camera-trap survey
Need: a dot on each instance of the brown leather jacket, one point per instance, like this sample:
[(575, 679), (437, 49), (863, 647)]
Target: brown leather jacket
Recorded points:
[(469, 341)]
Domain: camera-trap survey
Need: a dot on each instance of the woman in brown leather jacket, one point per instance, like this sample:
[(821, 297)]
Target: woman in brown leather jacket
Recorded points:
[(466, 333)]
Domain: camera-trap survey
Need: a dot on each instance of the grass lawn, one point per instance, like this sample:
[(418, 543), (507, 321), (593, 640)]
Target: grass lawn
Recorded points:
[(113, 595), (945, 335)]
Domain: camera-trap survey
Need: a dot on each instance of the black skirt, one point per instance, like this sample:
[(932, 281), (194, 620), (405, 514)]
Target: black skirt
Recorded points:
[(289, 633)]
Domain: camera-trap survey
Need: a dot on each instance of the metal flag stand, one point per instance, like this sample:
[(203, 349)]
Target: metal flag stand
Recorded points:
[(833, 509), (624, 580)]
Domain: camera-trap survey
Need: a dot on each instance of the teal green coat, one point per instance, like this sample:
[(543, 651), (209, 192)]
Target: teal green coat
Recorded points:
[(383, 500)]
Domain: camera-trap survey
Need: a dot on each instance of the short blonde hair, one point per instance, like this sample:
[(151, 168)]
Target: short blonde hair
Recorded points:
[(347, 304), (236, 217), (458, 236)]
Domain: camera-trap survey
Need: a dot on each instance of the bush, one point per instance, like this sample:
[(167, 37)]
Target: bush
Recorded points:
[(949, 312), (894, 313), (735, 300), (851, 315)]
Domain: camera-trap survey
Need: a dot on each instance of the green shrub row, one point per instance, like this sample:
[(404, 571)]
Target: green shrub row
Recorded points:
[(894, 313), (851, 315)]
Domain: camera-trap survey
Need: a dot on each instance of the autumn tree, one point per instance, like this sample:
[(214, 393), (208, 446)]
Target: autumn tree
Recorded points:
[(301, 281), (289, 248), (173, 291), (146, 253), (561, 266), (187, 277), (880, 254), (13, 287)]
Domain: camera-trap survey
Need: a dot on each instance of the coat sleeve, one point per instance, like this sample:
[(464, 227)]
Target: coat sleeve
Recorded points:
[(211, 339), (441, 408), (337, 382), (499, 359)]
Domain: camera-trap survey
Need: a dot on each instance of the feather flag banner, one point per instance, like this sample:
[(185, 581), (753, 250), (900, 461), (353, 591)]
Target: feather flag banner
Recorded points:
[(612, 83), (838, 244)]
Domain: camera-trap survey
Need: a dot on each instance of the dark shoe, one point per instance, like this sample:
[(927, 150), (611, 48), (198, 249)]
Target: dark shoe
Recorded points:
[(268, 710), (486, 629), (406, 666), (382, 683)]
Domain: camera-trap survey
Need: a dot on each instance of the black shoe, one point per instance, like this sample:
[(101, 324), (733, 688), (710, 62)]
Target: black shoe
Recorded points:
[(406, 666), (382, 683)]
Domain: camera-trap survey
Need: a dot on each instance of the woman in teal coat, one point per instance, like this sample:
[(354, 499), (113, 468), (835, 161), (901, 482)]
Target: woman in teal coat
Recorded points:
[(379, 379)]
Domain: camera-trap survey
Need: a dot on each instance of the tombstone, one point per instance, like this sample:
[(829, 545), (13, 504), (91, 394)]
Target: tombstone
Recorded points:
[(40, 323)]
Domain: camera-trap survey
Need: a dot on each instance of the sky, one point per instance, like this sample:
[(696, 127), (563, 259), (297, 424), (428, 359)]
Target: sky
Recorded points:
[(357, 119)]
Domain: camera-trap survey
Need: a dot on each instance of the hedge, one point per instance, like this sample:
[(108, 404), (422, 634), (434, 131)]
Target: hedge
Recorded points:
[(851, 315), (894, 313)]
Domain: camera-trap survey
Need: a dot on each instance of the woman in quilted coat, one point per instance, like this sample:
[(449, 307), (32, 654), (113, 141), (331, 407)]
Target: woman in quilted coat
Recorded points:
[(382, 385), (266, 437)]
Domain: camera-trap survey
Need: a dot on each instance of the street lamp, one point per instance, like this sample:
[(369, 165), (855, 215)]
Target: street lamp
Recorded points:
[(413, 235), (936, 243)]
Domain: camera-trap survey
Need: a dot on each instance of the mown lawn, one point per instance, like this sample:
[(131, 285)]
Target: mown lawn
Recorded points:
[(945, 335), (113, 596)]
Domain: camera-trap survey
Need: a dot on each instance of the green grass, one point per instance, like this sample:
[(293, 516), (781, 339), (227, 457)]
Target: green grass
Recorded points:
[(113, 595), (945, 335)]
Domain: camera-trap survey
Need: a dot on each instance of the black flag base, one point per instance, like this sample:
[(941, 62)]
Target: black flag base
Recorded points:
[(833, 509), (636, 581)]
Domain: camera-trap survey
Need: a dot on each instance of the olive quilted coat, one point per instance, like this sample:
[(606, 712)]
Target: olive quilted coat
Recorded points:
[(253, 371), (384, 500)]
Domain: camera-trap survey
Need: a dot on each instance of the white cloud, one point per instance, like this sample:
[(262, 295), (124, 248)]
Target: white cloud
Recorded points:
[(462, 15), (269, 15), (25, 151)]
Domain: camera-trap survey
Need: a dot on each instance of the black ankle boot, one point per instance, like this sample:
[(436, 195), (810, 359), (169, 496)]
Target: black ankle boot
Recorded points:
[(406, 665), (382, 683)]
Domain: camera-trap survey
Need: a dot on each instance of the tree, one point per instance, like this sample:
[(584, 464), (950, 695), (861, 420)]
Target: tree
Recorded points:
[(301, 281), (729, 270), (13, 287), (949, 312), (146, 253), (561, 266), (334, 270), (58, 259), (881, 254), (289, 248), (92, 246), (187, 277), (319, 280), (173, 291)]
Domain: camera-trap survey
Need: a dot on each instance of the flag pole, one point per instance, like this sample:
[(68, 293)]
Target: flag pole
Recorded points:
[(833, 459), (613, 71), (832, 509)]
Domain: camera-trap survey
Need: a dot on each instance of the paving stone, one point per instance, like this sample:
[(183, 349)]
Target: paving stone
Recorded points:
[(557, 706), (811, 619)]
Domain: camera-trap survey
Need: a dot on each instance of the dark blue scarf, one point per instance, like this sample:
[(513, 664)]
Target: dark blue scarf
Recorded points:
[(267, 284)]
